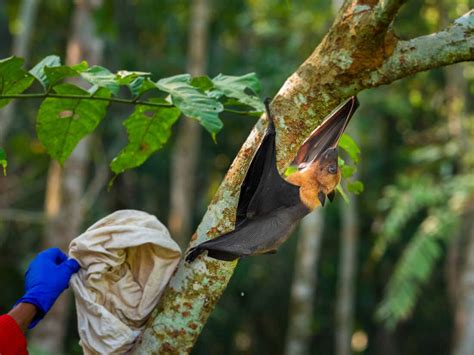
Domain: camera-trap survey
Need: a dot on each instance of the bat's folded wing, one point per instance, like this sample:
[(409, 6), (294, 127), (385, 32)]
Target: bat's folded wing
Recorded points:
[(253, 236), (263, 189), (327, 134)]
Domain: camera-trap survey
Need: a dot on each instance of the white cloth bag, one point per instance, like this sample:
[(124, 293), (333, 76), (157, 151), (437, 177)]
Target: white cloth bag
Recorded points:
[(127, 259)]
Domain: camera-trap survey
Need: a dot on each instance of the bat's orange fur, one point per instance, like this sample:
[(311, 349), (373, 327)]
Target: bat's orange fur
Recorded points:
[(312, 180)]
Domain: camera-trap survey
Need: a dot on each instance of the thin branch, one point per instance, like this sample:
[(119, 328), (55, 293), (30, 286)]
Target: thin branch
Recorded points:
[(244, 113), (452, 45), (385, 11), (134, 101)]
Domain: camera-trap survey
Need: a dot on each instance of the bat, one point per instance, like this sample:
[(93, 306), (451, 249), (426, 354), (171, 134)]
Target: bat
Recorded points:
[(269, 206)]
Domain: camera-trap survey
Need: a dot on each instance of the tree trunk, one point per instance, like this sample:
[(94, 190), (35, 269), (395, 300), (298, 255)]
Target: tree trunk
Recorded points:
[(186, 153), (464, 315), (460, 259), (303, 288), (65, 187), (347, 274), (21, 48), (360, 51)]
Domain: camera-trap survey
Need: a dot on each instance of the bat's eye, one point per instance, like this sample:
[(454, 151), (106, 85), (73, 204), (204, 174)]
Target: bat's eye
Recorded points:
[(332, 169)]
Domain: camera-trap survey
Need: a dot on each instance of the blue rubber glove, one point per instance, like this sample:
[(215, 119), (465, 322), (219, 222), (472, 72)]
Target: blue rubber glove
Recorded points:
[(46, 278)]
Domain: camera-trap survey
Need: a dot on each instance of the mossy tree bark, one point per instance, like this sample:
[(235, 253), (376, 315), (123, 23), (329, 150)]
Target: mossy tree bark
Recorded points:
[(360, 51)]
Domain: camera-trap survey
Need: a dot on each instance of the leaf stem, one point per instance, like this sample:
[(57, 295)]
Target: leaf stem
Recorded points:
[(84, 97), (133, 101), (246, 113)]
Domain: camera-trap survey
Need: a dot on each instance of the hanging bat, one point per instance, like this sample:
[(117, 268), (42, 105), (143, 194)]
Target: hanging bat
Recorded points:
[(269, 206)]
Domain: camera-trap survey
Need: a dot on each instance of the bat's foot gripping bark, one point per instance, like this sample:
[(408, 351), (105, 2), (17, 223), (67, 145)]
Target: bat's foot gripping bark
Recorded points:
[(193, 254)]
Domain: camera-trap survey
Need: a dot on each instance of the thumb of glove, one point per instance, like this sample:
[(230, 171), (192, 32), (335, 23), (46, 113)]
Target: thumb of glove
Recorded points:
[(71, 265)]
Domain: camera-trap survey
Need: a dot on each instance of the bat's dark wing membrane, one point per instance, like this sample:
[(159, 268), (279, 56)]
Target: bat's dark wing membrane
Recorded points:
[(252, 178), (263, 189), (327, 134)]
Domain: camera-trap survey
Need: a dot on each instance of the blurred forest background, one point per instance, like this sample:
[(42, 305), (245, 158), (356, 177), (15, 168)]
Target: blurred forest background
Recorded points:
[(390, 273)]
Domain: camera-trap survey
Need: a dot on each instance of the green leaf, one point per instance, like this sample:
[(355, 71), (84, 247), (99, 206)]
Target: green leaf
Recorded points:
[(347, 171), (3, 161), (62, 123), (202, 82), (140, 85), (102, 77), (356, 187), (243, 88), (13, 79), (350, 146), (38, 70), (192, 102), (125, 77), (290, 170), (56, 74), (148, 128)]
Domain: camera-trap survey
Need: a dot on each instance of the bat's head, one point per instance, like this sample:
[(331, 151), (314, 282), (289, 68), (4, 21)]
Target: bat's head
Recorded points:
[(327, 174), (318, 156)]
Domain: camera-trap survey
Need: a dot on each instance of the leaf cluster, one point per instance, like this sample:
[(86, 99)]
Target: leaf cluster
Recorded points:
[(75, 99)]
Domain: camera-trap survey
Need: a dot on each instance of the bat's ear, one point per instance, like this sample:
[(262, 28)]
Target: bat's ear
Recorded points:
[(331, 195), (321, 197)]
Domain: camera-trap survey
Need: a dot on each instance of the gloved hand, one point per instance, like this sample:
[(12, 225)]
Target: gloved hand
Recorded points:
[(46, 278)]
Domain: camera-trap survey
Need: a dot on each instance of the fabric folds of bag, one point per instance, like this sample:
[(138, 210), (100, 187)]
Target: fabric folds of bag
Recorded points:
[(127, 259)]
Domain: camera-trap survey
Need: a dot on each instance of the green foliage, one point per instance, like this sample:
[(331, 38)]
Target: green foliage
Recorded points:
[(61, 72), (62, 123), (38, 70), (192, 102), (442, 203), (148, 130), (13, 79), (103, 78), (69, 112), (415, 266), (356, 187), (405, 201), (349, 170), (236, 87), (350, 146), (3, 161)]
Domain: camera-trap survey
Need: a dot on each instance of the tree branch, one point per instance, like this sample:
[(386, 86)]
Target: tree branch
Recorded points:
[(84, 97), (452, 45), (353, 56), (385, 11), (133, 102)]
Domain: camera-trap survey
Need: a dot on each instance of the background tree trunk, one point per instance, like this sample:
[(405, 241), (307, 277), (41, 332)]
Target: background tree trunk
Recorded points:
[(460, 259), (65, 187), (464, 315), (21, 48), (346, 277), (186, 153), (303, 288)]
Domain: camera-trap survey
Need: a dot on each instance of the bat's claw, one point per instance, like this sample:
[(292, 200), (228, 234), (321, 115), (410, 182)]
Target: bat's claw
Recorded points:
[(193, 254)]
